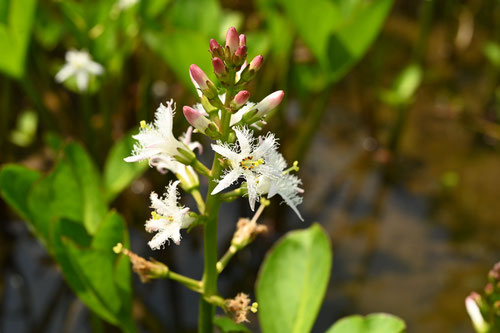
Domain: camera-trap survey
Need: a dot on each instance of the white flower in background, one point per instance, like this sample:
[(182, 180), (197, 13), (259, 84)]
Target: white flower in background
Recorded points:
[(168, 218), (125, 4), (79, 64), (247, 159), (156, 142), (287, 186)]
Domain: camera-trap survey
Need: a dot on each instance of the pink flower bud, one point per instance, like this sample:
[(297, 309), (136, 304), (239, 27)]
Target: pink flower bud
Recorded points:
[(219, 67), (195, 118), (198, 77), (241, 98), (215, 48), (241, 52), (256, 63), (214, 45), (243, 40), (232, 39), (270, 102)]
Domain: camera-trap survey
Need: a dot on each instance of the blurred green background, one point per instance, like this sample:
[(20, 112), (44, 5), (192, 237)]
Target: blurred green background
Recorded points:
[(392, 108)]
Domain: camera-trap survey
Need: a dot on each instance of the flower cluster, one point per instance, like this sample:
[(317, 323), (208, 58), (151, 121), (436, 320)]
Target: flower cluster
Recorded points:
[(226, 115)]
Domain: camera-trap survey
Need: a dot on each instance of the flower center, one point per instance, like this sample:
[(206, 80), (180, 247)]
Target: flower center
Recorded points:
[(157, 216), (249, 164)]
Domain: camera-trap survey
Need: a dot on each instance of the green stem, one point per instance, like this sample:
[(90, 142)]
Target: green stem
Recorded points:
[(199, 200), (233, 195), (207, 310), (222, 263), (201, 168), (192, 284)]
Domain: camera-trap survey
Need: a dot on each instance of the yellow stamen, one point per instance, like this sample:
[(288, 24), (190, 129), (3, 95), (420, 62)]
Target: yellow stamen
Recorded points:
[(118, 248), (157, 216), (144, 124), (248, 164), (254, 307), (295, 168)]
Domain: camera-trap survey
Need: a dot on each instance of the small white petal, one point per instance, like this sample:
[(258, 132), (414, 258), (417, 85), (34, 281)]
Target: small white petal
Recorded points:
[(64, 73), (226, 181), (82, 80), (95, 68), (245, 139), (225, 151)]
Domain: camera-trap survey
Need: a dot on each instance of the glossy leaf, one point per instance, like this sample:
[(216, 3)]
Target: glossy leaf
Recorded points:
[(15, 34), (293, 280), (99, 277), (15, 184), (373, 323), (118, 174), (180, 49), (89, 182), (338, 34)]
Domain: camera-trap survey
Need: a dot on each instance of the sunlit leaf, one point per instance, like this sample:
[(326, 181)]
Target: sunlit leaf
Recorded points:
[(293, 280), (15, 33), (90, 186), (373, 323), (15, 184), (118, 174), (180, 49)]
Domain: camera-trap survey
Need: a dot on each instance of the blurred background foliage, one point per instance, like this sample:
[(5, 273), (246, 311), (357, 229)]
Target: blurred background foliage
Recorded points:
[(392, 107)]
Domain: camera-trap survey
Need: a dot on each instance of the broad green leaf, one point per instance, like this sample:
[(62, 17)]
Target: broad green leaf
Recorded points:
[(15, 33), (85, 173), (199, 15), (118, 174), (152, 8), (373, 323), (55, 196), (338, 33), (180, 49), (98, 276), (74, 275), (226, 325), (15, 184), (293, 280)]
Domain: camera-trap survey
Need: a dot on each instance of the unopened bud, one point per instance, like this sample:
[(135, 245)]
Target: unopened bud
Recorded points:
[(241, 98), (488, 289), (215, 49), (198, 77), (256, 63), (232, 40), (269, 103), (240, 55), (474, 311), (219, 67), (243, 40), (195, 118)]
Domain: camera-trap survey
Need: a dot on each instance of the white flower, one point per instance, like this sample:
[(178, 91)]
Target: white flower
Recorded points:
[(168, 218), (125, 4), (247, 159), (156, 142), (80, 65), (287, 186)]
